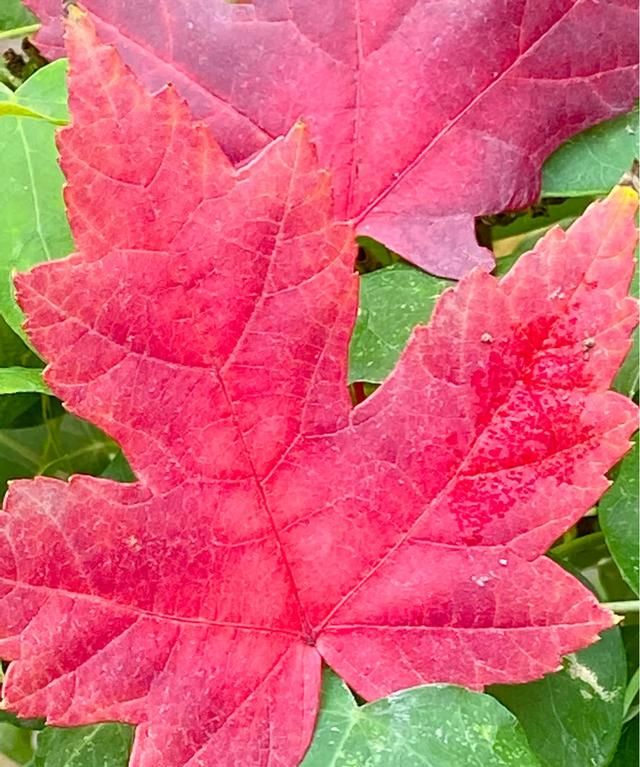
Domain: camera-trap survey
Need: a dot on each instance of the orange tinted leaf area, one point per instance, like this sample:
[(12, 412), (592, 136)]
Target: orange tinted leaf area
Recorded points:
[(204, 323)]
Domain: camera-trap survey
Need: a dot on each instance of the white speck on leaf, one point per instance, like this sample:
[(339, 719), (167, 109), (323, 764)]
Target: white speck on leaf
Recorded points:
[(586, 675)]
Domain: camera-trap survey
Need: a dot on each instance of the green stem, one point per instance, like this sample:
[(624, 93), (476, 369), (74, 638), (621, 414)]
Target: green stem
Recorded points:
[(19, 32), (632, 606)]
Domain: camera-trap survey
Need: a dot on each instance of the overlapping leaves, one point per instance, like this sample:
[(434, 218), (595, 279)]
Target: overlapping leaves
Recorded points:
[(82, 742), (428, 114), (259, 453)]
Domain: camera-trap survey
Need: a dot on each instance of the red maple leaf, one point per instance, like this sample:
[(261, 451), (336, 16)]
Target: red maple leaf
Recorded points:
[(428, 113), (204, 323)]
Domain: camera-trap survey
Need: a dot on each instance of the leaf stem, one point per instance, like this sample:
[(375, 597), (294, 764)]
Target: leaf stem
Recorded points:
[(18, 32), (632, 606)]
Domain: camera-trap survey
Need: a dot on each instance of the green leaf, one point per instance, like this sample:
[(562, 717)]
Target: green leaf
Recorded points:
[(101, 745), (13, 350), (627, 751), (33, 224), (17, 411), (628, 379), (119, 469), (16, 20), (15, 743), (620, 517), (392, 301), (23, 724), (594, 161), (374, 255), (434, 725), (573, 718), (59, 447), (16, 379), (540, 216), (42, 97)]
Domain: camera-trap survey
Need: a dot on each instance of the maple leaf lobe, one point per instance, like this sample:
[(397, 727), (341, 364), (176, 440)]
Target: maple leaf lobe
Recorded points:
[(428, 114), (272, 525)]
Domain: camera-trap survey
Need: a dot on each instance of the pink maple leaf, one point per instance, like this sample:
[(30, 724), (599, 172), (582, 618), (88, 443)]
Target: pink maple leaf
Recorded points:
[(429, 114), (204, 324)]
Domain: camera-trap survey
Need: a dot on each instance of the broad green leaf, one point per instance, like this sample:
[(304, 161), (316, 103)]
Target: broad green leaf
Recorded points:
[(17, 411), (573, 718), (627, 381), (43, 96), (13, 408), (23, 724), (15, 743), (16, 20), (101, 745), (119, 469), (627, 753), (13, 350), (430, 726), (620, 518), (16, 379), (59, 447), (33, 224), (593, 161), (392, 301)]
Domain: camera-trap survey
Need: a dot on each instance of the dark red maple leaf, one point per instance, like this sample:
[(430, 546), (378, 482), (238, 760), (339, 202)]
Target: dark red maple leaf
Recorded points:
[(428, 113), (204, 323)]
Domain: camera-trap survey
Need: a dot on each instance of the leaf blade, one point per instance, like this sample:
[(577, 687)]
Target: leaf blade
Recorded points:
[(436, 725), (593, 162), (619, 516), (32, 215), (442, 158), (574, 717), (102, 745), (16, 379)]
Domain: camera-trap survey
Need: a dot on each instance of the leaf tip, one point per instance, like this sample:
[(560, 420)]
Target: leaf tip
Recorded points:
[(79, 31), (625, 194), (74, 12), (76, 23)]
